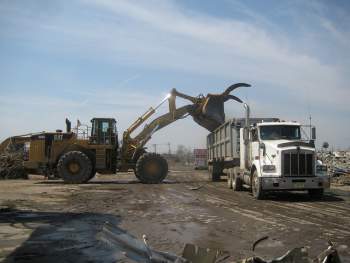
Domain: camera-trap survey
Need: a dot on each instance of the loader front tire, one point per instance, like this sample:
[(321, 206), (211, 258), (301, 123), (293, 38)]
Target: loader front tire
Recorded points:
[(74, 167), (151, 168)]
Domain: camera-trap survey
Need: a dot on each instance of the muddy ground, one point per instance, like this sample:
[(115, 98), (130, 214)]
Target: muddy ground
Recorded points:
[(44, 220)]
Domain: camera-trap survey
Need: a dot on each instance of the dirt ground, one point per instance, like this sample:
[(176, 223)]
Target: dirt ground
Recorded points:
[(48, 221)]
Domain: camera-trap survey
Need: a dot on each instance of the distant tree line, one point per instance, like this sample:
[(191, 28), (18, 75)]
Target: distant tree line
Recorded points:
[(184, 154)]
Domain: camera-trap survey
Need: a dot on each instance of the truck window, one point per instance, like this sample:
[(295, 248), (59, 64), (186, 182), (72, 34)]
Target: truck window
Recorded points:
[(278, 132)]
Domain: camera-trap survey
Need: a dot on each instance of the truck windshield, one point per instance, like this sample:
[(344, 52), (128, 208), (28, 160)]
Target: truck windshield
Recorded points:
[(278, 132)]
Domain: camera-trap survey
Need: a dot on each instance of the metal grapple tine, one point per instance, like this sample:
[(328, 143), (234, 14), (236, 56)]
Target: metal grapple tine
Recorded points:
[(233, 87), (231, 97)]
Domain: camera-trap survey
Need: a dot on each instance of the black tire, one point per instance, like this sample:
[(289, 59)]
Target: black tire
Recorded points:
[(257, 191), (237, 184), (230, 179), (93, 173), (151, 168), (137, 157), (75, 167), (316, 193), (215, 172)]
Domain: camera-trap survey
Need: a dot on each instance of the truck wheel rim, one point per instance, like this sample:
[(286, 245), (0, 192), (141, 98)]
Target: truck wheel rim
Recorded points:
[(229, 181)]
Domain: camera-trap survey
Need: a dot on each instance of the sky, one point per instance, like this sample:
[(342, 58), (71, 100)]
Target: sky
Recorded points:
[(108, 58)]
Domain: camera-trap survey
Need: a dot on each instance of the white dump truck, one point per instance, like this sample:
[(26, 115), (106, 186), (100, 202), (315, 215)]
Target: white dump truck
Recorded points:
[(266, 154)]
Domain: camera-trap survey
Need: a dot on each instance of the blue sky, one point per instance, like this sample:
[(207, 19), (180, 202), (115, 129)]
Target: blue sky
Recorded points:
[(87, 58)]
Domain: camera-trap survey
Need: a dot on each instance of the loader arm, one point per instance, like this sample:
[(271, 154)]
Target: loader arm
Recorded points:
[(162, 121), (206, 111), (133, 147)]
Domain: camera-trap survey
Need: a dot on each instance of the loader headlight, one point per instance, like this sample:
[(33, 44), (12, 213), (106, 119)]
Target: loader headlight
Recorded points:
[(269, 168)]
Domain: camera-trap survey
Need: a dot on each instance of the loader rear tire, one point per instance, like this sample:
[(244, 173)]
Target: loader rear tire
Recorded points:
[(75, 167), (151, 168)]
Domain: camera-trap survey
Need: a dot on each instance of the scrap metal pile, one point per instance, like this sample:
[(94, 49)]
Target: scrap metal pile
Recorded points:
[(11, 163), (338, 164)]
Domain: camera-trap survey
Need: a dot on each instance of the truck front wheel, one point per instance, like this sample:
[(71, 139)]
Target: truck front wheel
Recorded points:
[(151, 168), (257, 191), (316, 193)]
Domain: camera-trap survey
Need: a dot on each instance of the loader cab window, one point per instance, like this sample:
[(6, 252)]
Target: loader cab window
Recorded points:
[(105, 126), (280, 132), (103, 131)]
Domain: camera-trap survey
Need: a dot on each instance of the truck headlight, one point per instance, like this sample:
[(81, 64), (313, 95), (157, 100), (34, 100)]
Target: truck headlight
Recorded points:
[(269, 168), (321, 168)]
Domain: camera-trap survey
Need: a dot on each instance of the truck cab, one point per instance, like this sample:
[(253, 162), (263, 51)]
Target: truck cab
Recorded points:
[(279, 159)]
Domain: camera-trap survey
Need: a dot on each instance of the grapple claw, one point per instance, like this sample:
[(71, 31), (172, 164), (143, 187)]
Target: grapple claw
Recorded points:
[(210, 112)]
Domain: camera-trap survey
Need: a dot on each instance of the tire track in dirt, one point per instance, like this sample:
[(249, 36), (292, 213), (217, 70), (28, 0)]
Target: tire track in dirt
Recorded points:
[(288, 215)]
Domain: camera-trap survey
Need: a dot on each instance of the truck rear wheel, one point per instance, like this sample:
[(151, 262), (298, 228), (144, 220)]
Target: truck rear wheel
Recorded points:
[(237, 184), (75, 167), (257, 191), (151, 168), (230, 179), (215, 172)]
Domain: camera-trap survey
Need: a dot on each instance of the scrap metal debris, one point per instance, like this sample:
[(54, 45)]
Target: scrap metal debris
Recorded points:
[(338, 164), (11, 164), (133, 248), (258, 241), (198, 187), (299, 255)]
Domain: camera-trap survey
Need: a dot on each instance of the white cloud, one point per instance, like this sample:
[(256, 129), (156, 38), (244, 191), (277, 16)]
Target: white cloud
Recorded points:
[(164, 35)]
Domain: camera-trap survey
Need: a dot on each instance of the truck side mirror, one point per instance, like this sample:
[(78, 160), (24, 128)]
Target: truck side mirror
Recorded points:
[(313, 133), (263, 147)]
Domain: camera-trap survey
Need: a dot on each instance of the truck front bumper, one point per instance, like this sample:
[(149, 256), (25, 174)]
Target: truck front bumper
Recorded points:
[(294, 183)]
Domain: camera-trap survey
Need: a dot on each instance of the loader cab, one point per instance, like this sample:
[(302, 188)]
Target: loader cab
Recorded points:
[(104, 131)]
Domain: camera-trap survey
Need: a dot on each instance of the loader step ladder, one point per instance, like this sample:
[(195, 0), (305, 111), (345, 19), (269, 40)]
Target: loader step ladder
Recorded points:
[(100, 158)]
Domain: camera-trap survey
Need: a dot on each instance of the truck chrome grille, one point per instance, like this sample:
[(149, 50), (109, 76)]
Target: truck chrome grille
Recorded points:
[(298, 164)]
